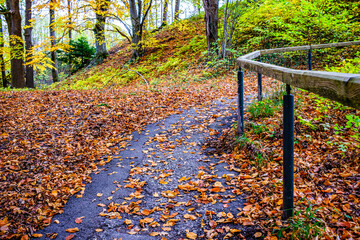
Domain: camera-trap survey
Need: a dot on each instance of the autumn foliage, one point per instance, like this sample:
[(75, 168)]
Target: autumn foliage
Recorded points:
[(51, 141)]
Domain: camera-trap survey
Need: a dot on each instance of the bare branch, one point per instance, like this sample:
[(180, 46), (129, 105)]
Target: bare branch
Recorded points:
[(147, 83), (146, 13)]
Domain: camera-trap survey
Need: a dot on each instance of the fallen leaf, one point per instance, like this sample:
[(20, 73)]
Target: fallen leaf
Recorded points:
[(191, 235), (72, 230)]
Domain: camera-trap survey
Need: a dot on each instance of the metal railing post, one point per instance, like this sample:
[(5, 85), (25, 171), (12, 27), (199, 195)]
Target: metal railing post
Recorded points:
[(240, 102), (288, 154), (310, 59), (260, 97)]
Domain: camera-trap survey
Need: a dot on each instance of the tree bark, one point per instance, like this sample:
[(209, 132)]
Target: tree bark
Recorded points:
[(29, 74), (99, 30), (211, 8), (165, 12), (177, 10), (137, 21), (16, 45), (54, 71), (136, 33), (2, 62), (69, 19), (70, 33), (225, 30)]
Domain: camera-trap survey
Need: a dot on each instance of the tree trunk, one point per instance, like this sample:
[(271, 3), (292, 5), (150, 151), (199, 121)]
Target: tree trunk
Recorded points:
[(137, 22), (136, 33), (70, 34), (54, 71), (28, 45), (16, 45), (211, 8), (164, 20), (2, 62), (69, 19), (225, 30), (177, 10), (99, 30)]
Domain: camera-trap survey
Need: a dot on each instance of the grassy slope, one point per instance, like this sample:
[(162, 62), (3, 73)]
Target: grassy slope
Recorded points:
[(171, 57)]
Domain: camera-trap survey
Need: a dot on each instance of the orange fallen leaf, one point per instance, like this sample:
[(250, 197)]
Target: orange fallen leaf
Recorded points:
[(258, 234), (191, 235), (37, 235), (72, 230), (78, 220)]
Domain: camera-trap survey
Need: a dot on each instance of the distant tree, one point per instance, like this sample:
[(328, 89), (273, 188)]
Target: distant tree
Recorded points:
[(138, 17), (177, 10), (211, 8), (165, 12), (70, 21), (232, 11), (54, 70), (2, 62), (29, 73)]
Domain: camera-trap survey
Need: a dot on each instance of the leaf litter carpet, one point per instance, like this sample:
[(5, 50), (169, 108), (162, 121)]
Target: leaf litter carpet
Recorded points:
[(161, 186)]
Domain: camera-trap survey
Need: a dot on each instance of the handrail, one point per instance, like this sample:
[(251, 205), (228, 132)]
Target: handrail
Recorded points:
[(341, 87)]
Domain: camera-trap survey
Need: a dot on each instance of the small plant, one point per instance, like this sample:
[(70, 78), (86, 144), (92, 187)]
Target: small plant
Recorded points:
[(353, 123), (243, 140), (103, 105), (304, 224), (258, 128), (261, 109), (260, 159), (307, 123)]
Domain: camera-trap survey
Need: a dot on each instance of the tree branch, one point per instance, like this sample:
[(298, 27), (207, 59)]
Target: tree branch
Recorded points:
[(147, 83), (146, 13), (121, 33)]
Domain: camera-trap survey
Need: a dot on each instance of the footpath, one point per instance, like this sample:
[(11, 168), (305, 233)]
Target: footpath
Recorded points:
[(163, 185)]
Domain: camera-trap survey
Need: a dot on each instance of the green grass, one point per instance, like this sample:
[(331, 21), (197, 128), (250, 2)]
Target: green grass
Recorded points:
[(304, 224)]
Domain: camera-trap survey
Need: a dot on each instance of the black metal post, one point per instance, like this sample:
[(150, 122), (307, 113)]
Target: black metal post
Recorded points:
[(260, 84), (240, 102), (310, 59), (288, 155)]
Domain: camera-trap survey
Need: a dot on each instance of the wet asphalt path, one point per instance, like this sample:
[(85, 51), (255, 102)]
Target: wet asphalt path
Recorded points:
[(161, 186)]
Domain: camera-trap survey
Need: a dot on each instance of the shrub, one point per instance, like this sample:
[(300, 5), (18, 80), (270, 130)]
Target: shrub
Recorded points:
[(79, 55)]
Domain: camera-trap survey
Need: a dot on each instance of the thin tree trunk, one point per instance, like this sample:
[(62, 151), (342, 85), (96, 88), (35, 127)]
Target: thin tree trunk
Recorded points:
[(211, 8), (28, 45), (69, 19), (54, 71), (165, 12), (69, 34), (2, 62), (225, 30), (177, 10), (16, 44)]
